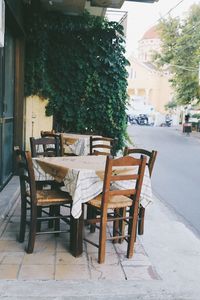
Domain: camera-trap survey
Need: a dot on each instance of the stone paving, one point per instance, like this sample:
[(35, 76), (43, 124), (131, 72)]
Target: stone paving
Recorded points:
[(52, 260)]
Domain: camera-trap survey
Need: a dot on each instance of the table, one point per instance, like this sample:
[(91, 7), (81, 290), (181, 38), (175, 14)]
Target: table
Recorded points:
[(83, 180)]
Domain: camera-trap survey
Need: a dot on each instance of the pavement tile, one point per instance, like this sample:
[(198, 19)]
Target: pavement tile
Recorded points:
[(66, 258), (72, 272), (107, 272), (110, 259), (11, 258), (137, 259), (36, 272), (63, 243), (140, 272), (12, 226), (39, 259), (9, 235), (11, 246), (43, 244), (122, 248), (9, 271)]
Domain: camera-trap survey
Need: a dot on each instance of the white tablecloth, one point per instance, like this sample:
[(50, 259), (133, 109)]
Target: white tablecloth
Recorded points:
[(82, 177)]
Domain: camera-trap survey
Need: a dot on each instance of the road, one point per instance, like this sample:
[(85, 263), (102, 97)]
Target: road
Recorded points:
[(176, 176)]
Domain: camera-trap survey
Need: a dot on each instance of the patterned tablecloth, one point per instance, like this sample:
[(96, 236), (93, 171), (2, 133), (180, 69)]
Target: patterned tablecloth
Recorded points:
[(82, 177)]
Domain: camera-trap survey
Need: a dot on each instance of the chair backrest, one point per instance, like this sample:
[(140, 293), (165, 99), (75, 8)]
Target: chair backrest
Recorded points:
[(101, 145), (47, 133), (45, 146), (26, 175), (53, 134), (121, 171), (151, 156)]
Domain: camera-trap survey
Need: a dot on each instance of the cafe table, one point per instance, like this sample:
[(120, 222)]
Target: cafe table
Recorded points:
[(83, 180)]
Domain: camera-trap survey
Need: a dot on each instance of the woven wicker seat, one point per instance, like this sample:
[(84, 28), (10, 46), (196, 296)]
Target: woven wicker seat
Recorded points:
[(113, 201)]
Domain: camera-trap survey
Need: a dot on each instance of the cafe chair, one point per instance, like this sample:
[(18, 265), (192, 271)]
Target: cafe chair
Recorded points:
[(52, 134), (151, 158), (45, 147), (113, 198), (101, 145), (36, 200)]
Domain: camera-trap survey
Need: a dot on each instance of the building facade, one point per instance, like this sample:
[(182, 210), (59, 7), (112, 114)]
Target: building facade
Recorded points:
[(144, 78)]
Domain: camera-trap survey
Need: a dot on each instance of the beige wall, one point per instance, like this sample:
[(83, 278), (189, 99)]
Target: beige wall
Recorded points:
[(36, 120), (151, 84)]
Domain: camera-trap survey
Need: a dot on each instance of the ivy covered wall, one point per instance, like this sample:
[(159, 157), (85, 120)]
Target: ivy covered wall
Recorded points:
[(78, 64)]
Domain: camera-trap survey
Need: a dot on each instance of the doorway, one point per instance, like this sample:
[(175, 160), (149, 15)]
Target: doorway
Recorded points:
[(7, 78)]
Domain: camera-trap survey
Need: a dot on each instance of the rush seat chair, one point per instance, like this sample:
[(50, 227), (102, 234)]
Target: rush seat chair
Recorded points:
[(151, 158), (113, 198), (35, 200), (101, 145)]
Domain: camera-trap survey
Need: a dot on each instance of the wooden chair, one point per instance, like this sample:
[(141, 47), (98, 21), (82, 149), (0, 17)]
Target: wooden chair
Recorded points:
[(52, 134), (37, 200), (45, 147), (99, 144), (113, 198), (151, 157)]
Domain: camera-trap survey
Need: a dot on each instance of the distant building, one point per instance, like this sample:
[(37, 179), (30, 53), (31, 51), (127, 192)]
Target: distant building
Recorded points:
[(149, 43), (144, 78)]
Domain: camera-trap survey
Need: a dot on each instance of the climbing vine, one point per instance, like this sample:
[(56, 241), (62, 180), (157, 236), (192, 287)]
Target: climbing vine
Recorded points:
[(78, 64)]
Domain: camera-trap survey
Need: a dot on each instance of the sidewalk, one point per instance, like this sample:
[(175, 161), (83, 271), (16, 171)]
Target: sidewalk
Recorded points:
[(165, 264)]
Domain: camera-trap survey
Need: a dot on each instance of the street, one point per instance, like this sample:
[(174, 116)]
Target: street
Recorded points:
[(176, 176)]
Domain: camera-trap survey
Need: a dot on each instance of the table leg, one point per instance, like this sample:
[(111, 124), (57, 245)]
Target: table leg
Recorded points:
[(76, 235)]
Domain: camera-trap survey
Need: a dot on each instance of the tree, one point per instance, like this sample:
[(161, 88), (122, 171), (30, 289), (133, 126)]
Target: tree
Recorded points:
[(78, 64), (181, 52)]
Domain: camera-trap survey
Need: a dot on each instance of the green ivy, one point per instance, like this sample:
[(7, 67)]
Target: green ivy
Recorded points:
[(78, 64)]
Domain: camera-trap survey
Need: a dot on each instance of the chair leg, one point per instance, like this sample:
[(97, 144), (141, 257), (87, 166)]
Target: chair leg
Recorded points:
[(102, 240), (32, 230), (132, 229), (91, 214), (116, 225), (122, 223), (22, 229), (39, 214), (57, 221), (141, 220), (51, 214)]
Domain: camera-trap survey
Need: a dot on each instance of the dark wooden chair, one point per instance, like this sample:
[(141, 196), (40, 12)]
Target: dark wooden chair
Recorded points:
[(37, 200), (45, 147), (52, 134), (151, 157), (113, 198), (101, 145)]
